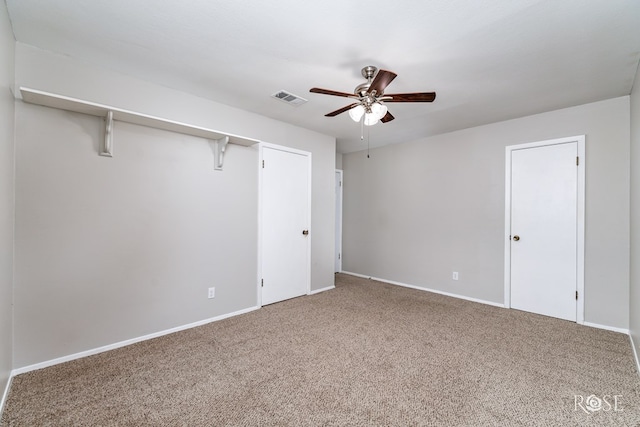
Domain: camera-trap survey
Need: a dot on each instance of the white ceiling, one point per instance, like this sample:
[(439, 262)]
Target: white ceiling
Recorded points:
[(488, 60)]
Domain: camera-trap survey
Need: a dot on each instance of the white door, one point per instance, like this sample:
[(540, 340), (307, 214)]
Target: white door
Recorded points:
[(544, 206), (285, 204), (338, 251)]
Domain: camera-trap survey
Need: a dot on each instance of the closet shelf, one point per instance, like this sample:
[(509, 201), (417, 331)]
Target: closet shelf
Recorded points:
[(109, 113), (71, 104)]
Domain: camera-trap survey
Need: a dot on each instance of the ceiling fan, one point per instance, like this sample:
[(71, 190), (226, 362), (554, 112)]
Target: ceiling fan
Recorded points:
[(370, 97)]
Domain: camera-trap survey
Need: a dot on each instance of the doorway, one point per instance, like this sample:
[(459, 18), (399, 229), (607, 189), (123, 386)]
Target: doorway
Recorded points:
[(338, 251), (544, 228), (285, 218)]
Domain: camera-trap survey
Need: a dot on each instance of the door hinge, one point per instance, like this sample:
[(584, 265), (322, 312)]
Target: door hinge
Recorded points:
[(577, 161), (576, 294), (340, 183), (262, 283), (339, 255), (263, 164)]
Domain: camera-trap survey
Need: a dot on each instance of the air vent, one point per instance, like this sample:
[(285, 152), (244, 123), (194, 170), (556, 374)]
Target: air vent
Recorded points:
[(289, 98)]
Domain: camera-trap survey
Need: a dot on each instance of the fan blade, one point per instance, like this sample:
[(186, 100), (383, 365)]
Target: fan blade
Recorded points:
[(331, 92), (411, 97), (381, 81), (341, 110), (387, 118)]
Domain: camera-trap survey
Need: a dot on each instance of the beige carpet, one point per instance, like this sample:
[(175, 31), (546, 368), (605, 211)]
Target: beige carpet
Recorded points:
[(364, 354)]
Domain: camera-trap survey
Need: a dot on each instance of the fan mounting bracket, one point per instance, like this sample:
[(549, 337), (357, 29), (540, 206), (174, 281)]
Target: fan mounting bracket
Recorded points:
[(368, 72)]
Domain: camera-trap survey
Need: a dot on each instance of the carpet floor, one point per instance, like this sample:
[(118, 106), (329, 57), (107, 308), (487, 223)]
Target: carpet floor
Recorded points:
[(364, 354)]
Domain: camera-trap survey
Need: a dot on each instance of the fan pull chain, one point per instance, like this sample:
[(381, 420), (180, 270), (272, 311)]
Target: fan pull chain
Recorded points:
[(368, 140), (362, 128)]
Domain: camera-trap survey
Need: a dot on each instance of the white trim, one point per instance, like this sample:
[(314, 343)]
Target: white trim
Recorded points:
[(364, 276), (317, 291), (283, 148), (420, 288), (606, 328), (126, 342), (635, 353), (580, 140), (338, 227), (580, 240), (6, 392), (309, 207), (262, 146), (588, 324), (259, 246)]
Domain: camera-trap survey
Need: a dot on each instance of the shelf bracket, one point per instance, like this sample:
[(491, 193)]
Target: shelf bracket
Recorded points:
[(107, 145), (219, 147)]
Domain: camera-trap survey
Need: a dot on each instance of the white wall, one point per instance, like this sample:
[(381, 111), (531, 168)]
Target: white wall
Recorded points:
[(416, 212), (634, 295), (7, 46), (110, 249)]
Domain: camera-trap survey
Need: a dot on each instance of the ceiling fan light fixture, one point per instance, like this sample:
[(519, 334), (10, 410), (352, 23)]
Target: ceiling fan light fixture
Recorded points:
[(356, 112), (379, 110), (370, 119)]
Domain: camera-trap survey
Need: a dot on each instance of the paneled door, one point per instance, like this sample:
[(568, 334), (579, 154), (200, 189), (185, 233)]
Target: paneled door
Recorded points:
[(285, 223)]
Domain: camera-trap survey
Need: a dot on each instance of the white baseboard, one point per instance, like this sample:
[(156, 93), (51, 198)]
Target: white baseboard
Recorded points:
[(6, 393), (391, 282), (607, 328), (635, 354), (317, 291), (356, 274), (102, 349)]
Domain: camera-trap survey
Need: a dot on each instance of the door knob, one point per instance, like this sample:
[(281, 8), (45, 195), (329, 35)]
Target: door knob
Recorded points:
[(305, 232), (516, 238)]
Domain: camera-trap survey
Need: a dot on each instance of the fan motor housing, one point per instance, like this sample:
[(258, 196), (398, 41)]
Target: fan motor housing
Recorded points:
[(362, 89)]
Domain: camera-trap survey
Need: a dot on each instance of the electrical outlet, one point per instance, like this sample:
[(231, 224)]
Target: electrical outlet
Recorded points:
[(455, 275), (212, 293)]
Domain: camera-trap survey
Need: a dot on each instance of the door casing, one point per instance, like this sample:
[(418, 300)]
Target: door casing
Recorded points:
[(339, 190), (580, 217)]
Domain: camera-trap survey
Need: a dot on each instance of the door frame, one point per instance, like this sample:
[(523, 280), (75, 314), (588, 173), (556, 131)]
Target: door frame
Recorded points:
[(307, 154), (338, 227), (580, 217)]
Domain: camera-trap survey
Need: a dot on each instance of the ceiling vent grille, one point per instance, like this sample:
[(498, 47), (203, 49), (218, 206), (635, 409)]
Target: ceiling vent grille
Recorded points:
[(289, 98)]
